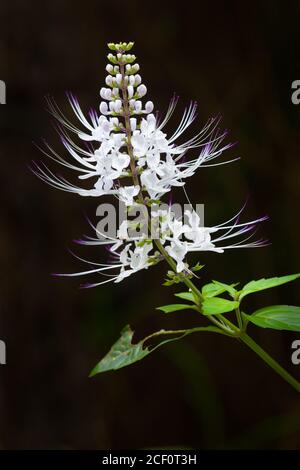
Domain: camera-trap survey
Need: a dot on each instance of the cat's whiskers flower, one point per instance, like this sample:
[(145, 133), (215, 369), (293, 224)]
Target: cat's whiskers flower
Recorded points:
[(126, 153)]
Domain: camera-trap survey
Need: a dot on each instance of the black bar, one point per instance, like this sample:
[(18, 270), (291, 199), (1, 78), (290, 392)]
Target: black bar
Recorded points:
[(136, 458)]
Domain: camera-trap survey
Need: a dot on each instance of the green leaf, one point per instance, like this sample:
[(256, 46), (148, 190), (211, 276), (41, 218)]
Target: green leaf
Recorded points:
[(216, 305), (171, 282), (230, 288), (277, 317), (211, 289), (186, 296), (123, 352), (174, 307), (172, 278), (197, 267), (170, 274), (168, 283), (216, 288), (262, 284)]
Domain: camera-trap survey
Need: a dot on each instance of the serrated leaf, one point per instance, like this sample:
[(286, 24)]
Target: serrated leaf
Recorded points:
[(262, 284), (123, 353), (277, 317), (174, 307), (216, 305), (186, 296), (216, 288)]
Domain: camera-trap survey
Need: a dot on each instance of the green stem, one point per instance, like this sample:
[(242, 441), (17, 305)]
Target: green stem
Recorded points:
[(239, 318), (189, 284), (184, 332), (270, 361)]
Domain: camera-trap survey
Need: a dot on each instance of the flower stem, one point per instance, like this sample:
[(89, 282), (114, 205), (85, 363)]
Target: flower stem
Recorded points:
[(270, 361), (227, 327), (125, 103)]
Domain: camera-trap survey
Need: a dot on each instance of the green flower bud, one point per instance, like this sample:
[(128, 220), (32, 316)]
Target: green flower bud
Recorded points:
[(129, 46), (111, 46), (112, 59)]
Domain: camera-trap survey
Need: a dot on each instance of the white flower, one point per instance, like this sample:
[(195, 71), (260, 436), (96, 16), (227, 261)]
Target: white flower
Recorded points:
[(149, 139), (176, 227), (178, 250), (127, 194), (158, 157), (122, 232), (99, 133), (179, 239), (120, 161), (153, 184), (200, 236), (134, 260), (192, 237), (126, 152)]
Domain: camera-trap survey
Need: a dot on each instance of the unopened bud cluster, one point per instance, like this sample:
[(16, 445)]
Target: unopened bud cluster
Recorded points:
[(120, 46), (124, 83)]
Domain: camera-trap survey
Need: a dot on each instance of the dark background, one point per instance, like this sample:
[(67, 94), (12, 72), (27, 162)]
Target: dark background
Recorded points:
[(235, 58)]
